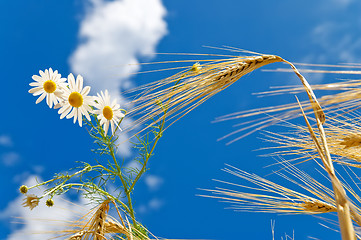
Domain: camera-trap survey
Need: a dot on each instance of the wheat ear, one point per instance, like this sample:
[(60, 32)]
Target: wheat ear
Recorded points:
[(174, 97)]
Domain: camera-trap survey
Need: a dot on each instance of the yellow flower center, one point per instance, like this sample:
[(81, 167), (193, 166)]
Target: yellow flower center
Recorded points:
[(75, 99), (49, 86), (108, 112)]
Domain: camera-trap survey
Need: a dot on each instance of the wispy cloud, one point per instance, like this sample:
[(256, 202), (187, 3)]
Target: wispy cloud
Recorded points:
[(153, 182), (153, 205), (334, 41), (337, 41), (336, 36), (5, 141), (10, 159)]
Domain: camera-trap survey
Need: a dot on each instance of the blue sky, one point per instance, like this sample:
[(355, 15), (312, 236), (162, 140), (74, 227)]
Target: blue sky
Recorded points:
[(66, 36)]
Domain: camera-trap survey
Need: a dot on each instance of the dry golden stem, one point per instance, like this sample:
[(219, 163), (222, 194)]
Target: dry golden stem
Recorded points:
[(342, 203)]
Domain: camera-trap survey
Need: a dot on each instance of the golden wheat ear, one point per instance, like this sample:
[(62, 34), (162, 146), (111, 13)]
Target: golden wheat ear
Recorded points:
[(99, 225), (172, 98), (342, 134)]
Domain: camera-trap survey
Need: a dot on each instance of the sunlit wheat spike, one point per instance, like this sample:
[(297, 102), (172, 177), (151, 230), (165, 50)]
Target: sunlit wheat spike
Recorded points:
[(77, 236), (114, 227), (343, 134), (98, 225), (94, 228), (98, 221), (347, 97), (353, 140), (174, 97), (267, 196), (317, 206)]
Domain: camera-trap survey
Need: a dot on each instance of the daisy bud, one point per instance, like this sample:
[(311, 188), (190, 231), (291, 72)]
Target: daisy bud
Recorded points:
[(49, 202), (23, 189)]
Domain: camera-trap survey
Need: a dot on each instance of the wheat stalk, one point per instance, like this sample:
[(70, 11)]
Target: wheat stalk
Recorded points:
[(177, 95), (342, 202), (348, 99)]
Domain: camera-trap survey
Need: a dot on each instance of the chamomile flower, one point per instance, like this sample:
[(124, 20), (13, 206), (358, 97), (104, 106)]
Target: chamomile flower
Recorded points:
[(49, 84), (108, 112), (76, 100), (31, 201)]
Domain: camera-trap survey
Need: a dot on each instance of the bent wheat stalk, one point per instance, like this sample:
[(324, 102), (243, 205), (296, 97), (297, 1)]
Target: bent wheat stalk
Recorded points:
[(174, 97), (348, 99)]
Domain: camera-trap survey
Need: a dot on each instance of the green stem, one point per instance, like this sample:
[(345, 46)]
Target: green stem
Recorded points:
[(61, 185), (157, 137), (147, 158), (130, 209), (67, 177)]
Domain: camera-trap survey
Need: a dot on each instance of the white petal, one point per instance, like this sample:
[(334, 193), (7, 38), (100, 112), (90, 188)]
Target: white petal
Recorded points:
[(80, 119), (42, 74), (79, 83), (65, 112), (55, 100), (37, 78), (35, 89), (37, 84), (85, 91), (71, 114), (114, 103), (85, 113), (63, 109), (106, 127), (52, 98), (47, 76), (42, 96), (113, 127), (103, 120), (58, 106), (71, 82), (75, 114), (58, 93), (38, 92), (48, 99)]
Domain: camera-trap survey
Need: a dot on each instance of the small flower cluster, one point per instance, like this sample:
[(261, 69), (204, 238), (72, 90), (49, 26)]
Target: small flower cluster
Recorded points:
[(73, 101), (31, 200)]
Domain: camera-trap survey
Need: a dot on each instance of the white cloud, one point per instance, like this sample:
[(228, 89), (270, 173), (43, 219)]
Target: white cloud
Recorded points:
[(337, 41), (5, 141), (116, 33), (113, 35), (10, 158), (39, 223), (153, 205), (343, 3), (153, 182)]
